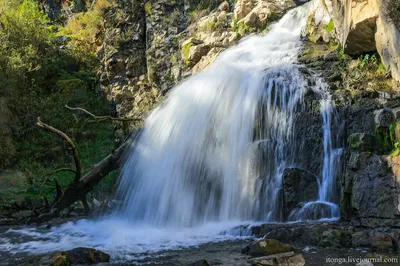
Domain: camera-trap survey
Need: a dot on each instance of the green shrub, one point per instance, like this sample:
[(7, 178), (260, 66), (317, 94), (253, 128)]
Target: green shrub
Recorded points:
[(84, 27), (38, 78), (330, 27)]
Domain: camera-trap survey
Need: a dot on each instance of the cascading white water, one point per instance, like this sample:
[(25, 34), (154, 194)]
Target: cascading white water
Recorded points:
[(217, 148), (212, 156)]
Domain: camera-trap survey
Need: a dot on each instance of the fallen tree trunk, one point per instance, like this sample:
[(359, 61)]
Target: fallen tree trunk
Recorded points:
[(78, 189)]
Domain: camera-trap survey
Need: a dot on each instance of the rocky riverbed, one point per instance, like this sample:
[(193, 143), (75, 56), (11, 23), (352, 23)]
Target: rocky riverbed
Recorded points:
[(315, 243)]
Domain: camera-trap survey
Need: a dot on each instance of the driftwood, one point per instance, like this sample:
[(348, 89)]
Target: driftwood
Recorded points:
[(81, 185)]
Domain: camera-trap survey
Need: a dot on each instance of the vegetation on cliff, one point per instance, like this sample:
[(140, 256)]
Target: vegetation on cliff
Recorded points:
[(43, 67)]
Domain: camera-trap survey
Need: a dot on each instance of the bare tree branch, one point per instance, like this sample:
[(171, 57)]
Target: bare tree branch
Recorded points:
[(102, 118), (78, 166)]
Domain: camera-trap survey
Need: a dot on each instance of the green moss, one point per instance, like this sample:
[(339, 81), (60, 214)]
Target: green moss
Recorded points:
[(394, 132), (148, 8), (185, 52), (385, 137), (330, 27)]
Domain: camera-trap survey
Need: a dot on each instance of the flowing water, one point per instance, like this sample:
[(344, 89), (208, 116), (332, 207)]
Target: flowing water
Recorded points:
[(211, 157)]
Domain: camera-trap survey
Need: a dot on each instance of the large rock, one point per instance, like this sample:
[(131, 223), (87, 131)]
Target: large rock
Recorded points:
[(283, 259), (87, 256), (258, 14), (387, 38), (298, 186), (196, 53), (360, 26), (361, 34), (266, 247), (335, 238), (77, 256)]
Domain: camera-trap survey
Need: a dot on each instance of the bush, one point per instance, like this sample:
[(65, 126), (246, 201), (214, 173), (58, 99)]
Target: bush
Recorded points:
[(39, 75), (25, 35), (85, 27)]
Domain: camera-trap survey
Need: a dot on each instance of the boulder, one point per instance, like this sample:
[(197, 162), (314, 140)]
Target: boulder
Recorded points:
[(361, 34), (224, 7), (382, 241), (266, 247), (196, 53), (287, 259), (83, 255), (77, 256), (360, 239), (298, 186), (360, 26), (334, 238)]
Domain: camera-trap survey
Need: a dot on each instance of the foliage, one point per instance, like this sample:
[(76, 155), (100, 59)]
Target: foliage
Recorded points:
[(330, 27), (368, 60), (85, 27), (40, 72), (210, 26), (185, 52), (25, 34), (148, 8)]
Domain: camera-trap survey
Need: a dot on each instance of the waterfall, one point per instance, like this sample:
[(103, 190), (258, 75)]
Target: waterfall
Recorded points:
[(217, 147), (212, 156)]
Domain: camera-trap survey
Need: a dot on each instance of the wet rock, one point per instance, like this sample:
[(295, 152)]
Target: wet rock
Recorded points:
[(87, 256), (360, 239), (370, 194), (266, 247), (357, 160), (287, 259), (383, 117), (382, 241), (334, 238), (305, 211), (361, 142), (77, 256), (298, 186)]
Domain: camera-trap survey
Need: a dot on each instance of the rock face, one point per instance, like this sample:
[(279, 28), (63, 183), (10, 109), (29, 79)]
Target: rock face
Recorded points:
[(360, 26), (332, 235), (149, 46), (298, 186)]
